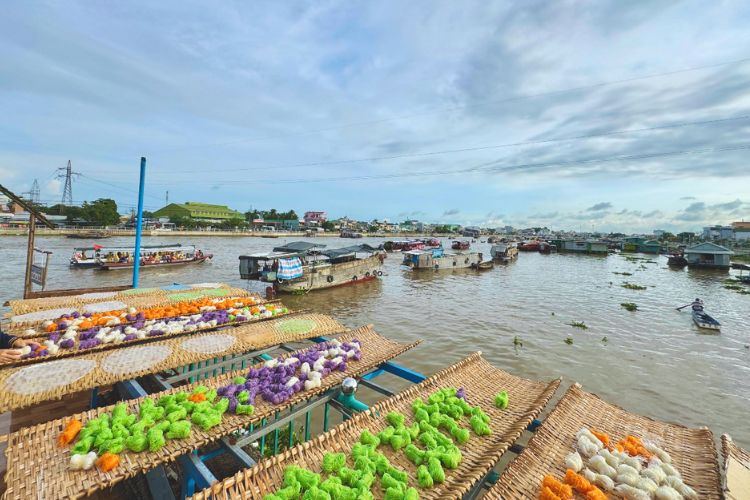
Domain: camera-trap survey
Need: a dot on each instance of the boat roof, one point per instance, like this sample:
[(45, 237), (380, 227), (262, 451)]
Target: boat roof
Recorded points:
[(340, 252), (708, 247), (298, 246), (143, 247)]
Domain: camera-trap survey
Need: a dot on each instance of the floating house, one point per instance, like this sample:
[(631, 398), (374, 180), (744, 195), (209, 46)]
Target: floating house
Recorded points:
[(639, 244), (581, 246), (708, 255)]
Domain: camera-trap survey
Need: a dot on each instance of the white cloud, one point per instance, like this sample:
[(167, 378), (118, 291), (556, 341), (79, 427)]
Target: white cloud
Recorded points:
[(53, 187)]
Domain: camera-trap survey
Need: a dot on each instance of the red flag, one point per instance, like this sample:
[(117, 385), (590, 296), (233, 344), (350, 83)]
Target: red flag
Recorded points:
[(98, 247)]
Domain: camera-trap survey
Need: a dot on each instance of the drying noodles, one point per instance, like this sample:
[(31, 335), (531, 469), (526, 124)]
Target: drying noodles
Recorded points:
[(633, 468)]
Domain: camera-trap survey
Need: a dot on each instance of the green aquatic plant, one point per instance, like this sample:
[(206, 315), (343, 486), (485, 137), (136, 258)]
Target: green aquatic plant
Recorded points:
[(733, 287), (632, 286), (517, 341), (579, 324), (622, 273), (569, 340), (604, 339), (629, 306)]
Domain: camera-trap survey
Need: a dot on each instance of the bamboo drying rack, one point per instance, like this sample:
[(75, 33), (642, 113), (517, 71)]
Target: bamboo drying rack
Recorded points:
[(692, 450), (37, 466), (17, 326), (736, 470), (73, 351), (90, 368), (481, 382)]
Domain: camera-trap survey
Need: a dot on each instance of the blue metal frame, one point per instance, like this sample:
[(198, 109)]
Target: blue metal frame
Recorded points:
[(139, 223)]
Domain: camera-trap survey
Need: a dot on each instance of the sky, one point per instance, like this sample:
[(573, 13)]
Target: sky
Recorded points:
[(581, 115)]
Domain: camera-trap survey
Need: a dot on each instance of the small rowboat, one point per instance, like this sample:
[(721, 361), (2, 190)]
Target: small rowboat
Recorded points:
[(703, 320), (484, 265)]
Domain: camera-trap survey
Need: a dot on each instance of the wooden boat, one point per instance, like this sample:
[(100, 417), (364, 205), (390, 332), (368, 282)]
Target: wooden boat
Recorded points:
[(484, 265), (165, 256), (301, 266), (547, 248), (460, 245), (90, 235), (345, 233), (438, 260), (703, 320), (403, 246), (504, 252), (529, 246), (677, 260), (88, 257)]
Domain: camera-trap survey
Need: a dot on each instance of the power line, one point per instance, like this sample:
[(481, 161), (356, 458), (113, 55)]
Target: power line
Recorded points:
[(483, 148), (483, 167), (462, 107)]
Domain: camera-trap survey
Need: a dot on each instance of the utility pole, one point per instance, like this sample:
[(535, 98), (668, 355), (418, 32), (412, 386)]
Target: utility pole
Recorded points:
[(67, 197), (167, 199), (33, 193)]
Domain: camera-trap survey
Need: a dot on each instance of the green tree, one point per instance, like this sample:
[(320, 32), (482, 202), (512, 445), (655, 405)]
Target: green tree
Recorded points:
[(328, 226), (102, 212)]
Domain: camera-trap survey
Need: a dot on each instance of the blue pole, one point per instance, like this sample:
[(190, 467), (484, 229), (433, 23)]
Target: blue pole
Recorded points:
[(139, 222)]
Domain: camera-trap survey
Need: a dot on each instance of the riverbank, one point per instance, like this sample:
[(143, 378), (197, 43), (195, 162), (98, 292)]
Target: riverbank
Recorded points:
[(160, 232)]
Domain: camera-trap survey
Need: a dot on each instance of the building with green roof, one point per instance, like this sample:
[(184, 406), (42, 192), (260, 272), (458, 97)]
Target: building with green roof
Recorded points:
[(199, 211)]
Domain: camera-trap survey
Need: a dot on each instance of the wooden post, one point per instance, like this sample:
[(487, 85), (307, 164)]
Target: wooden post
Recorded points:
[(27, 286)]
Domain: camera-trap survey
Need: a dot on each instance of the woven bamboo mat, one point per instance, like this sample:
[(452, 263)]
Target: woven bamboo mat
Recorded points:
[(73, 351), (692, 450), (37, 467), (34, 319), (23, 306), (25, 385), (736, 470), (481, 382)]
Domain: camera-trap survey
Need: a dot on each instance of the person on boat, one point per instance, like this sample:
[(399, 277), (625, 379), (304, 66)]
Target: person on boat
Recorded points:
[(696, 305), (10, 346)]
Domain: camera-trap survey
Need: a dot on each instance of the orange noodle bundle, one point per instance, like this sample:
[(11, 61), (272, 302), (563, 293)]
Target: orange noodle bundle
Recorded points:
[(561, 490), (601, 436), (547, 494), (596, 494), (633, 447), (108, 461), (578, 482), (69, 433), (197, 397)]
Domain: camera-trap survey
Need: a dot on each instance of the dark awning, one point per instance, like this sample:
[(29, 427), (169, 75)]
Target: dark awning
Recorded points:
[(338, 252), (298, 246)]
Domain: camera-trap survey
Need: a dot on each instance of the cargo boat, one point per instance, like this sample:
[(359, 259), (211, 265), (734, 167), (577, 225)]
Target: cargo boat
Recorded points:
[(303, 266), (503, 252), (439, 260)]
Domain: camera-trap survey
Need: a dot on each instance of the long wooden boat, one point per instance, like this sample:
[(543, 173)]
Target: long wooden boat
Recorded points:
[(703, 320), (162, 256), (90, 235), (460, 245), (301, 266), (112, 266), (88, 257)]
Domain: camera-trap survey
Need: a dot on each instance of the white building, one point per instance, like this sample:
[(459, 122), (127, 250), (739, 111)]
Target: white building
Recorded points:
[(718, 233)]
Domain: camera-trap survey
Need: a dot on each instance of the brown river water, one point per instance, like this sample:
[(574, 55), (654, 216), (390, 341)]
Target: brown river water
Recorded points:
[(654, 361)]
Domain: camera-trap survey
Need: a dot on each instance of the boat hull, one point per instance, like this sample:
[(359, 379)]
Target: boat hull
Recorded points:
[(703, 320), (447, 262), (113, 266), (333, 275)]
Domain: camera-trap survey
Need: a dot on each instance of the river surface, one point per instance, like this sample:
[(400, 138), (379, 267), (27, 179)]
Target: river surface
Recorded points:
[(654, 361)]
